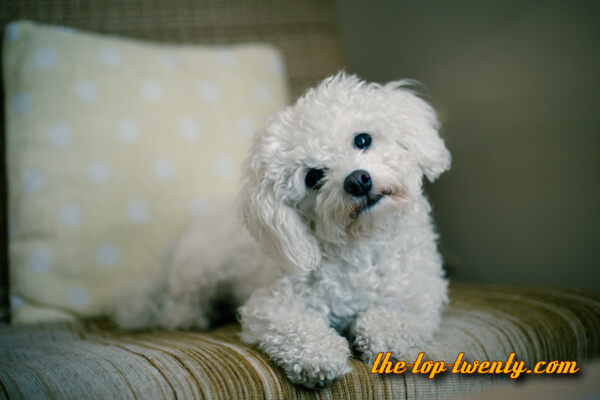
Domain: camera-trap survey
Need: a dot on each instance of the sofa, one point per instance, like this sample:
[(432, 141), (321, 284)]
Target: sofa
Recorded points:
[(90, 358)]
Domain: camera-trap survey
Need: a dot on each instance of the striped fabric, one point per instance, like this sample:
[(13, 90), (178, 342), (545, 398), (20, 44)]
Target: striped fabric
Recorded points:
[(487, 322)]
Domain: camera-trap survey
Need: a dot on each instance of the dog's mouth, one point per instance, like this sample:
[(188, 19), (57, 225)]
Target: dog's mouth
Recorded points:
[(369, 201)]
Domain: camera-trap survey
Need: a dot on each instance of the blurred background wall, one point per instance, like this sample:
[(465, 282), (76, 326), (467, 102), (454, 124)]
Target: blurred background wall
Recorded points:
[(517, 86)]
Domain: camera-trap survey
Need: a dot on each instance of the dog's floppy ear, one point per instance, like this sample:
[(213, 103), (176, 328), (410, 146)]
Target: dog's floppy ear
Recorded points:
[(421, 137), (267, 214)]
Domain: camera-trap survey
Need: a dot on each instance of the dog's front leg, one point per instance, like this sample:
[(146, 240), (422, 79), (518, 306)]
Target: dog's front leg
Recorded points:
[(384, 329), (296, 338)]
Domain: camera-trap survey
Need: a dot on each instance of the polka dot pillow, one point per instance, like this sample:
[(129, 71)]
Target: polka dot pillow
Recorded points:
[(113, 146)]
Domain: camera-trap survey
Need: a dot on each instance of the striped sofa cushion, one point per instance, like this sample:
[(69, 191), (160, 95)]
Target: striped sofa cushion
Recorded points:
[(486, 322)]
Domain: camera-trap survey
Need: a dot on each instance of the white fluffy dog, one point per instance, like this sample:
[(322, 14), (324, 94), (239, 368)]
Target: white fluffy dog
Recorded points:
[(345, 256)]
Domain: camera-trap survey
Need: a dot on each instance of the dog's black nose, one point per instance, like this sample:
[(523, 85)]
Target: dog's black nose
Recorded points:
[(358, 183)]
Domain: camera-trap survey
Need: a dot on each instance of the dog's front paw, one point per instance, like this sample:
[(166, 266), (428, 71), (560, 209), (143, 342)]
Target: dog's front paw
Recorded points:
[(364, 346), (317, 375), (380, 330)]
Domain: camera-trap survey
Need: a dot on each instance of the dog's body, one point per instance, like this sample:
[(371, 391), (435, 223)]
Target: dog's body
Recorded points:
[(345, 255)]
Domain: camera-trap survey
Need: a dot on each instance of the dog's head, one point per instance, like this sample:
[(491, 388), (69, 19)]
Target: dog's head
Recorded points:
[(337, 166)]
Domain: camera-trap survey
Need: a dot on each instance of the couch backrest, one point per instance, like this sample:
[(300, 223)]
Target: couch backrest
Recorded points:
[(304, 30)]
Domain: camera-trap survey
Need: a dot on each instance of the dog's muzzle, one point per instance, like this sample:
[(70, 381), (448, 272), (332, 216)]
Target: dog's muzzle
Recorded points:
[(358, 183), (360, 186)]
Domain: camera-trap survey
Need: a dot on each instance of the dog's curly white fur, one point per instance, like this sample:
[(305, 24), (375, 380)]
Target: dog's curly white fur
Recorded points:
[(333, 269)]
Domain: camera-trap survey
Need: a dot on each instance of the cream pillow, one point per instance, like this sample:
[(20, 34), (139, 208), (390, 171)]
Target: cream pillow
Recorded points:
[(113, 145)]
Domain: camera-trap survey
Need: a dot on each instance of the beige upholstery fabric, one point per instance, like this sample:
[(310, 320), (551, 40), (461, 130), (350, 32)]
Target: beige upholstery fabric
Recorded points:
[(304, 31), (486, 322)]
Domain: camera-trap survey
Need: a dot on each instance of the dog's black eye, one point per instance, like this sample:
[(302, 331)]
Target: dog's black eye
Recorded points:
[(313, 177), (362, 141)]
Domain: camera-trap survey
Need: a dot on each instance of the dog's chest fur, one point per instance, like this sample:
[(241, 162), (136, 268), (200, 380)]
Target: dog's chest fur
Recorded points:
[(345, 286)]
